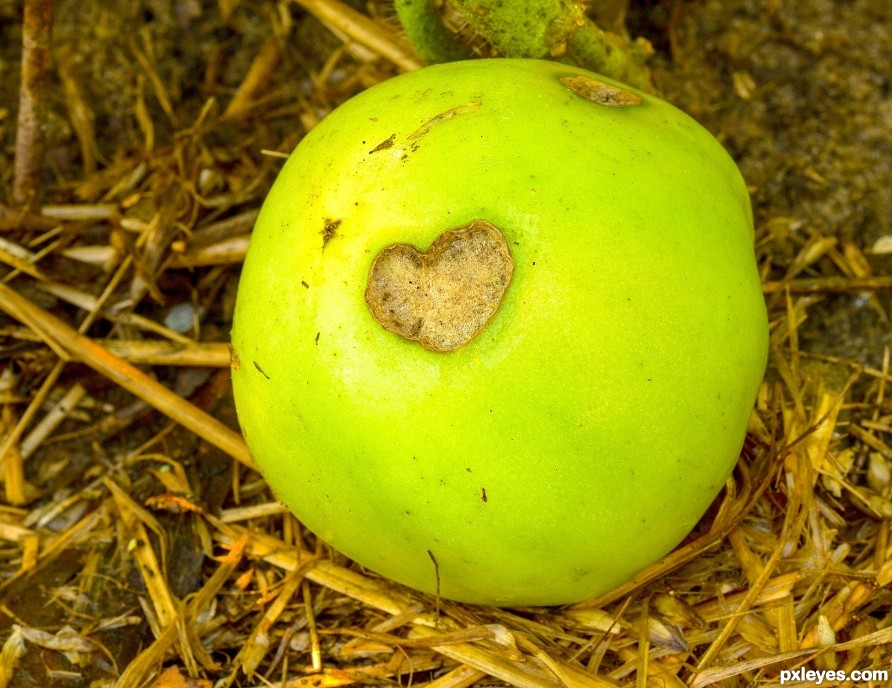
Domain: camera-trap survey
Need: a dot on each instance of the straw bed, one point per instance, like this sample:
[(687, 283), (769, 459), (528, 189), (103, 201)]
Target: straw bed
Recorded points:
[(139, 546)]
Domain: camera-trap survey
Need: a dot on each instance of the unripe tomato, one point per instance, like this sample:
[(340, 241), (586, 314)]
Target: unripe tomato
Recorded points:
[(500, 330)]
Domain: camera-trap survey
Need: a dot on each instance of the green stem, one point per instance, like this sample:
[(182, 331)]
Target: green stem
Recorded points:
[(521, 28), (611, 54), (543, 29), (424, 27), (557, 29)]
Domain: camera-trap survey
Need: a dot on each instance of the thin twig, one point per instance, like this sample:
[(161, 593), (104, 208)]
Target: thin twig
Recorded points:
[(30, 139)]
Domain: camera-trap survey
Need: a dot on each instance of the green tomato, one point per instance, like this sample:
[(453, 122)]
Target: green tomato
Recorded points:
[(500, 330)]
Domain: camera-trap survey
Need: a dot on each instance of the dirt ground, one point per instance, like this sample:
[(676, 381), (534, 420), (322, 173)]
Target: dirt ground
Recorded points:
[(800, 93)]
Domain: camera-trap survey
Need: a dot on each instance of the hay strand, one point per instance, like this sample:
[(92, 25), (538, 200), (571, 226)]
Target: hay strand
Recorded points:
[(137, 553)]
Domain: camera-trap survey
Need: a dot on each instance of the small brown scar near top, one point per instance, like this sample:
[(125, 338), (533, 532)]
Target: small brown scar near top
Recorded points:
[(329, 230), (443, 117), (384, 145), (600, 92), (260, 370)]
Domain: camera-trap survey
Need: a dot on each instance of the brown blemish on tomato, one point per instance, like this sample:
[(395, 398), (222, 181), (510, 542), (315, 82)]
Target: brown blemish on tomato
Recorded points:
[(600, 92), (443, 117), (260, 370), (384, 145), (329, 230)]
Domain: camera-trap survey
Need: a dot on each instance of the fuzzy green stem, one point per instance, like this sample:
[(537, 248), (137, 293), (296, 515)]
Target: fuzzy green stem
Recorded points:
[(521, 28), (611, 54), (555, 29), (424, 27)]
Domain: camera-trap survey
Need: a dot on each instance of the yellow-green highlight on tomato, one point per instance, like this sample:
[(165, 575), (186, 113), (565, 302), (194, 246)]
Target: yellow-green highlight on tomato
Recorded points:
[(582, 428)]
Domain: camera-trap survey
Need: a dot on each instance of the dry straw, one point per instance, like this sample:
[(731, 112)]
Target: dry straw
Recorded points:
[(140, 548)]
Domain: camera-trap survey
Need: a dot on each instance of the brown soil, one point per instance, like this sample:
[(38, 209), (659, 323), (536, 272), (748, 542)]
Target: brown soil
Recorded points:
[(124, 545)]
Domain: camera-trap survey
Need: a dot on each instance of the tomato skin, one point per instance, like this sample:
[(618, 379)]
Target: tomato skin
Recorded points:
[(582, 433)]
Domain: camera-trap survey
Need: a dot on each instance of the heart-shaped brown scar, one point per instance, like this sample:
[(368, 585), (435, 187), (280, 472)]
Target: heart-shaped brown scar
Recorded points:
[(444, 297)]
